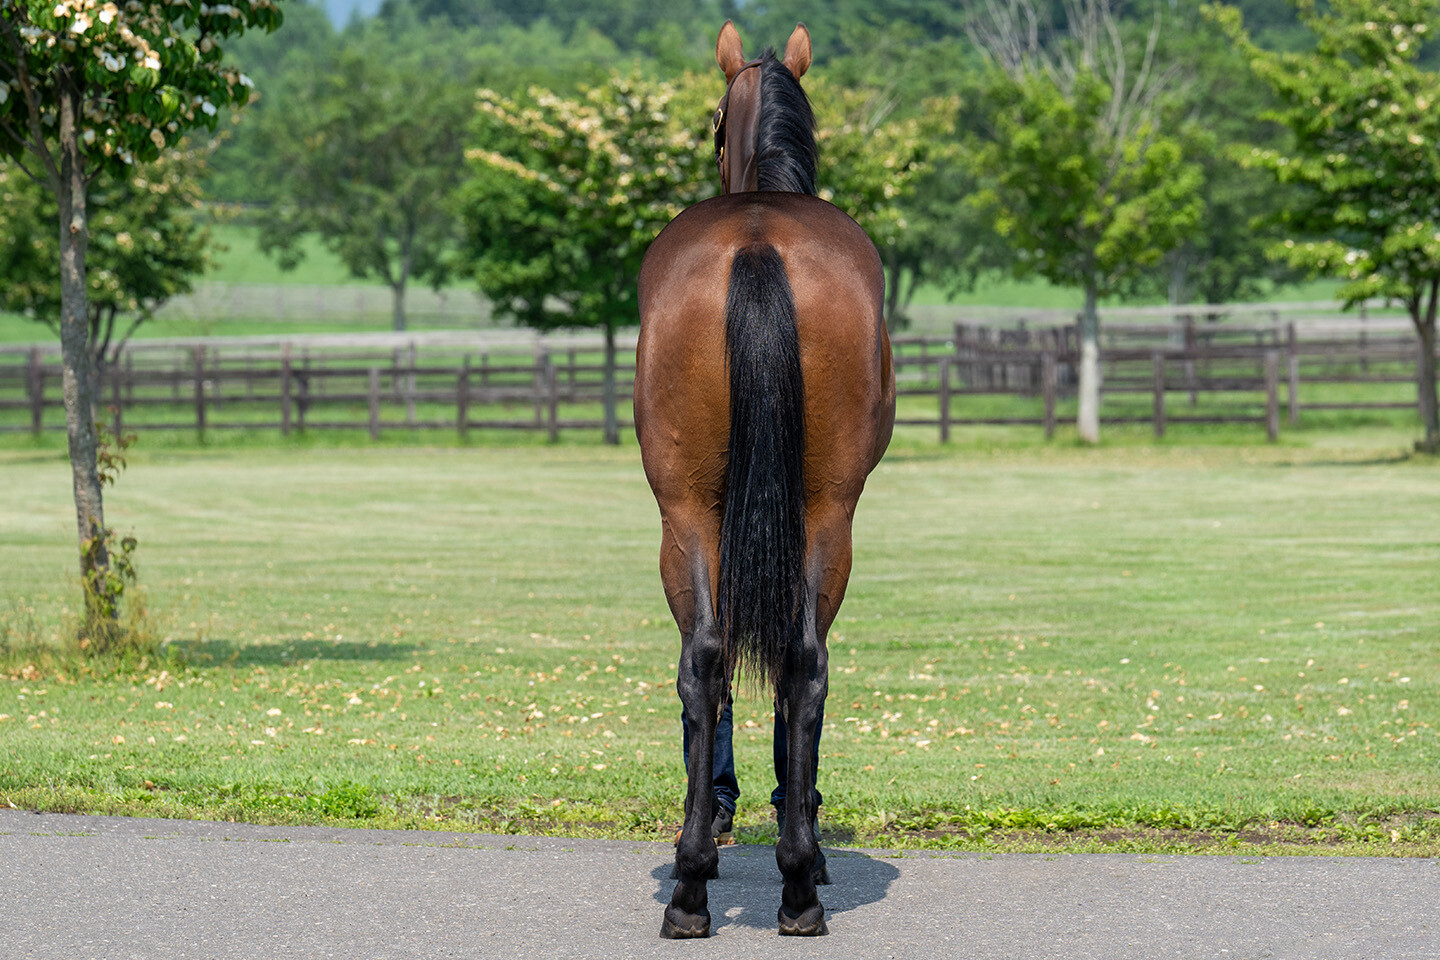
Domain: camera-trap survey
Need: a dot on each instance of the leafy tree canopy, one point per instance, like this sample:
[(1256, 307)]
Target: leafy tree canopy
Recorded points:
[(367, 152), (147, 245), (1362, 115)]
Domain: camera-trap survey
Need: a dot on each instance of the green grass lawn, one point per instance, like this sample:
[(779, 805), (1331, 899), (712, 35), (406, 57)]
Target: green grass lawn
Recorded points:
[(238, 259), (1138, 647)]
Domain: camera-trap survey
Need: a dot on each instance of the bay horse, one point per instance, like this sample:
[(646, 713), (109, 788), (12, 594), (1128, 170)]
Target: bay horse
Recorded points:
[(764, 396)]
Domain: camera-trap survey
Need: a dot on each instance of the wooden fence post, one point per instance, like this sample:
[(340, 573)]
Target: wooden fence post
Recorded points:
[(1272, 395), (374, 403), (410, 385), (1157, 369), (945, 400), (302, 398), (1294, 376), (217, 396), (542, 358), (1190, 343), (552, 383), (1364, 347), (129, 377), (117, 397), (37, 391), (1048, 379), (462, 400), (199, 354), (285, 391)]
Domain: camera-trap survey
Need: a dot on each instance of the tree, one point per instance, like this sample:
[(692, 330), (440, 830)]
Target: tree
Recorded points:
[(367, 152), (1225, 259), (945, 240), (566, 194), (87, 87), (870, 161), (147, 245), (1364, 121), (1074, 167)]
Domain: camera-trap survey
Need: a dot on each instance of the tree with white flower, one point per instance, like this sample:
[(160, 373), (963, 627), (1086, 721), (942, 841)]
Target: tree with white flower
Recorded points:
[(1364, 119), (565, 196), (89, 87)]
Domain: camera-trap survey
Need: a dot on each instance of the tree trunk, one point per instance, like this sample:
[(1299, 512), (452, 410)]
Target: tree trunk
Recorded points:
[(1179, 273), (1088, 421), (612, 427), (398, 311), (1424, 321), (74, 346)]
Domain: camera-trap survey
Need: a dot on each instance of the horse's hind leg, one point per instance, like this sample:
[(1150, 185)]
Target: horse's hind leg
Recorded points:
[(802, 694), (701, 685)]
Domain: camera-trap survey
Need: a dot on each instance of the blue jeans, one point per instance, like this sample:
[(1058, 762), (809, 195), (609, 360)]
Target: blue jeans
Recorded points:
[(727, 788)]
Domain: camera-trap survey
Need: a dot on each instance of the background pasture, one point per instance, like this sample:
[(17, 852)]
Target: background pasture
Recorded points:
[(1135, 647)]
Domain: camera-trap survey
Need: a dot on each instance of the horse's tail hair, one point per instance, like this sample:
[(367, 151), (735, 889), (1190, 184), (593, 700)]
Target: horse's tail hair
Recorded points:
[(761, 604)]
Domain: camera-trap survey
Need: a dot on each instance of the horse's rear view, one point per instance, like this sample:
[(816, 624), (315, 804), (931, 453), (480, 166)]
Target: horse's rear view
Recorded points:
[(763, 398)]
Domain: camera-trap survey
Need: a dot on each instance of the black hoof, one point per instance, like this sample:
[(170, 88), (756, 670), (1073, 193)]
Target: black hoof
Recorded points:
[(811, 923), (714, 873), (678, 925)]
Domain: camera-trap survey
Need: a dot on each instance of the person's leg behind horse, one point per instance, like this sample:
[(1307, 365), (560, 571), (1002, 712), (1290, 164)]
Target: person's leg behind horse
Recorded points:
[(726, 784), (781, 753)]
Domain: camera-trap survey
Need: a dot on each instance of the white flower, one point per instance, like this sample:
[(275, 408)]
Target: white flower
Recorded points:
[(152, 61), (4, 91), (108, 13), (208, 108), (81, 24)]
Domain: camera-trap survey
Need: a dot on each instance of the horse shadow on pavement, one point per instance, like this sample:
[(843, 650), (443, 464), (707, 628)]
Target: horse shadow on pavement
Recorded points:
[(747, 892)]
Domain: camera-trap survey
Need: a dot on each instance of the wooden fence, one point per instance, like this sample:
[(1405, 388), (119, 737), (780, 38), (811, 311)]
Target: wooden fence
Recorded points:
[(1163, 374)]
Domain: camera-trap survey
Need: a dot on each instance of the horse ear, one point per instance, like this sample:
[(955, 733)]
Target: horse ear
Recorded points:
[(728, 52), (797, 51)]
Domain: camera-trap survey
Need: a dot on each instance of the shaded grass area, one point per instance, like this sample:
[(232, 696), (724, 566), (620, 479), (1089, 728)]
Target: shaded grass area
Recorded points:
[(1140, 647)]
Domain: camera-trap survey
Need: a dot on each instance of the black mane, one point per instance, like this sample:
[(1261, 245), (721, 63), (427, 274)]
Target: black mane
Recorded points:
[(786, 150)]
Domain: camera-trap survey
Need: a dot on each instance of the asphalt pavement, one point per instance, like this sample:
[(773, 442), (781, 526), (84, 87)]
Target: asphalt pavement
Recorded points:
[(79, 887)]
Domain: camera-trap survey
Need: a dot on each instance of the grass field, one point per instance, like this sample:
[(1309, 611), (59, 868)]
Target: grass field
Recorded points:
[(1214, 648)]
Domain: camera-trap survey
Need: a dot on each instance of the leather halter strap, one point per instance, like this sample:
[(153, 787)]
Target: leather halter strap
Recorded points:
[(745, 142)]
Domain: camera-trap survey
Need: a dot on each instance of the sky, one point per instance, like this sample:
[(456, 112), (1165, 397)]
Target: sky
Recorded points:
[(340, 10)]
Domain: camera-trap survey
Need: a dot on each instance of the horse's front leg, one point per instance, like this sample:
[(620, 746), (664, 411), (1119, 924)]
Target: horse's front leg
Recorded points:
[(701, 685)]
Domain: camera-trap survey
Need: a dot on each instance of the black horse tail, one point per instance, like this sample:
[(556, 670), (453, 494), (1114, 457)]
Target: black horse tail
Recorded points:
[(762, 536)]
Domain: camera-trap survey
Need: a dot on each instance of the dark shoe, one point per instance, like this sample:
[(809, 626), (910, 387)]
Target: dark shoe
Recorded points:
[(722, 828)]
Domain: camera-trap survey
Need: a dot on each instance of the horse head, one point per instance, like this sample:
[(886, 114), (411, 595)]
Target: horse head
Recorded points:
[(737, 119)]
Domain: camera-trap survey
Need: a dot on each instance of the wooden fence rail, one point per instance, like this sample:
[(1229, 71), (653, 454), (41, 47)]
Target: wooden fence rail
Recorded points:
[(1243, 374)]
